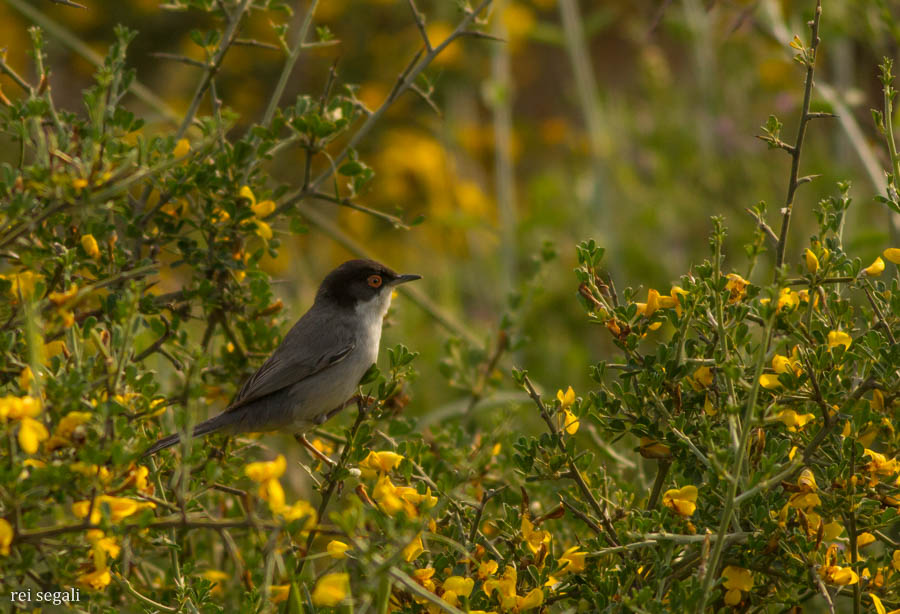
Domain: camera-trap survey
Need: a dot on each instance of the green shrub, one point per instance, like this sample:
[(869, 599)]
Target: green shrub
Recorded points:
[(135, 299)]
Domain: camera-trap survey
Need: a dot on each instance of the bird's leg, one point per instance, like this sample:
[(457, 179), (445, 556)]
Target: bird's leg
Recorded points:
[(303, 441)]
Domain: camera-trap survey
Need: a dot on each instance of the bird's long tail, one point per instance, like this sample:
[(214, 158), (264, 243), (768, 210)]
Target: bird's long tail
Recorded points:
[(205, 427)]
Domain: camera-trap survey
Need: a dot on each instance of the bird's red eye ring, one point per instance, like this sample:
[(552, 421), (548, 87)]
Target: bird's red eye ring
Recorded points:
[(374, 281)]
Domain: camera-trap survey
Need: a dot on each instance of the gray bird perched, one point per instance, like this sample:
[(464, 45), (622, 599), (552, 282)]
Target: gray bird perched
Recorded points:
[(318, 366)]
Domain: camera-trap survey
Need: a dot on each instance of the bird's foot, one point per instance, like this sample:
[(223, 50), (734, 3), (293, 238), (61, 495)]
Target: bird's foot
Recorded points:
[(303, 441)]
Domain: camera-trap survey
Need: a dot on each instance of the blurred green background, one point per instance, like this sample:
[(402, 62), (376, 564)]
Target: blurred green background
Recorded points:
[(631, 122)]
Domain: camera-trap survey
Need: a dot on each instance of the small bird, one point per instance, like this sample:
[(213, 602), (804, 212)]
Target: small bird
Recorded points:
[(316, 370)]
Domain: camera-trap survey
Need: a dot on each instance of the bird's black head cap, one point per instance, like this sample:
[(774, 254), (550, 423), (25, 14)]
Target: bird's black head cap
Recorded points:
[(358, 281)]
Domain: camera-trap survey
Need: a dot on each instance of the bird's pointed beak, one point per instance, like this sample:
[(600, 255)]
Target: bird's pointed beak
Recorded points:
[(402, 279)]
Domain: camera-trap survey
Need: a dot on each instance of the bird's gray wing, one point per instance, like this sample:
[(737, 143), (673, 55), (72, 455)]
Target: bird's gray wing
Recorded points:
[(310, 347)]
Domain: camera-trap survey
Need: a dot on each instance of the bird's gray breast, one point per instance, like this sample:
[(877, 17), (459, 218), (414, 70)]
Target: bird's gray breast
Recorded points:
[(316, 396)]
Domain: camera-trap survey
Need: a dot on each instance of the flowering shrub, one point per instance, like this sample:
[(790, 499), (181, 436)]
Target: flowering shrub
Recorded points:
[(763, 404)]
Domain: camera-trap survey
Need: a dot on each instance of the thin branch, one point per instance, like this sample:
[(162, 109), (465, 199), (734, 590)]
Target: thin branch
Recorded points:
[(810, 59), (880, 316), (332, 481), (763, 225), (574, 473), (418, 64), (420, 24), (288, 67), (178, 58), (212, 68), (7, 70), (142, 92)]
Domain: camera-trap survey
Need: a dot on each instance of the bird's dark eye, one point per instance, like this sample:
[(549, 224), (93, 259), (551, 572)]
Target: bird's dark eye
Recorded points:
[(374, 281)]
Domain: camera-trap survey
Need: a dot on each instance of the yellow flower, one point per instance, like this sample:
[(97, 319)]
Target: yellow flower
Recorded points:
[(80, 183), (653, 303), (119, 508), (737, 286), (6, 536), (331, 589), (812, 263), (137, 477), (892, 254), (27, 376), (566, 399), (96, 580), (737, 580), (831, 531), (879, 607), (266, 470), (573, 560), (337, 549), (54, 348), (793, 420), (379, 462), (807, 481), (60, 298), (488, 568), (769, 381), (23, 284), (182, 148), (70, 422), (875, 269), (263, 230), (456, 587), (102, 546), (519, 20), (533, 537), (804, 501), (260, 210), (412, 550), (835, 574), (651, 448), (423, 577), (703, 378), (880, 465), (570, 422), (16, 408), (89, 243), (271, 491), (217, 577), (91, 471), (279, 592), (837, 337), (31, 434), (864, 539), (263, 209), (505, 586), (783, 364), (532, 600), (385, 495), (787, 299), (895, 560), (683, 501)]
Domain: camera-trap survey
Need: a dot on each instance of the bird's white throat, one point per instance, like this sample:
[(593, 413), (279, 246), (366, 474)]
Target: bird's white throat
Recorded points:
[(371, 315)]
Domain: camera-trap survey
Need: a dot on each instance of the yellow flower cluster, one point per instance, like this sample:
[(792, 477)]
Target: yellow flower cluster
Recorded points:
[(6, 536), (682, 501), (566, 420), (737, 581), (833, 573), (23, 284), (331, 589), (266, 474), (510, 601), (260, 210), (656, 301), (390, 498), (24, 410)]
